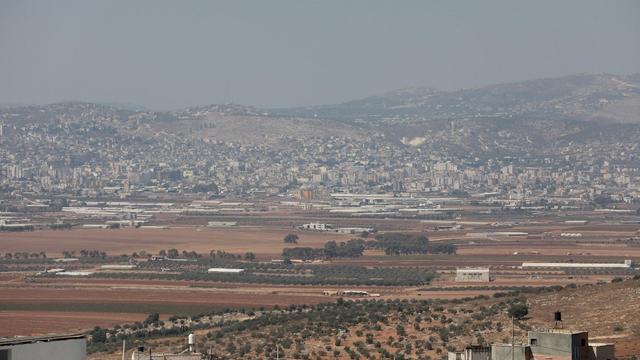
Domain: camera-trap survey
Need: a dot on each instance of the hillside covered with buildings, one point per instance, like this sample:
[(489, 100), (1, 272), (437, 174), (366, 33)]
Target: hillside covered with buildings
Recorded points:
[(573, 137)]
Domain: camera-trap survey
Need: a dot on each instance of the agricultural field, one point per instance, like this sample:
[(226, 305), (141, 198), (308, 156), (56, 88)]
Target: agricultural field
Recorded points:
[(270, 280), (266, 242), (48, 321)]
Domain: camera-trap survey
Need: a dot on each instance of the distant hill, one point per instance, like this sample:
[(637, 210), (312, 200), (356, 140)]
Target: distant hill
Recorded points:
[(584, 97), (516, 119)]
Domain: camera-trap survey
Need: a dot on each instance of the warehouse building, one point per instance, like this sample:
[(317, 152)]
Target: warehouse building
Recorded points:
[(472, 275), (56, 347), (224, 271), (215, 224), (626, 265), (316, 226)]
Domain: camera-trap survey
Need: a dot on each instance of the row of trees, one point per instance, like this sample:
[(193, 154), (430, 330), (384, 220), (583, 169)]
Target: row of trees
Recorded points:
[(84, 253), (322, 275), (352, 248), (331, 249), (18, 255), (174, 253), (407, 244), (93, 254), (213, 254), (391, 243)]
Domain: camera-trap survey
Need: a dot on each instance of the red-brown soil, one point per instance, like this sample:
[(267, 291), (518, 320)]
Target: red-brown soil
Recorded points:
[(45, 322), (260, 240)]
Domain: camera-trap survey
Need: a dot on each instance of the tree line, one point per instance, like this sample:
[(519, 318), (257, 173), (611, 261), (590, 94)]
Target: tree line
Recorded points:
[(21, 255), (331, 249), (85, 254), (409, 244), (391, 243)]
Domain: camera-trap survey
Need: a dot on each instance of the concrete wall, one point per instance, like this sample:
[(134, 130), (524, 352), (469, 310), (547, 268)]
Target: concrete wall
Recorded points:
[(73, 349), (581, 346), (602, 352), (568, 345), (478, 353), (504, 351), (471, 353)]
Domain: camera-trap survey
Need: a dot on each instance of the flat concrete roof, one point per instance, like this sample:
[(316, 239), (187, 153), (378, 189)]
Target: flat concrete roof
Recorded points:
[(558, 331), (36, 339), (575, 265)]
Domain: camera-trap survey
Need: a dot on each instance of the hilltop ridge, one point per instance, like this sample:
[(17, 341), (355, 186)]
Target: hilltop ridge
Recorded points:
[(583, 96)]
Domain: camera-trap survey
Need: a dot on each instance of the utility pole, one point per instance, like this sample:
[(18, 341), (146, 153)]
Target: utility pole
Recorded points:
[(277, 352), (513, 336), (123, 348)]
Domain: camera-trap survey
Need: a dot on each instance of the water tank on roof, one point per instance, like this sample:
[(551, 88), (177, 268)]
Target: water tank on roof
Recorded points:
[(191, 340), (557, 316)]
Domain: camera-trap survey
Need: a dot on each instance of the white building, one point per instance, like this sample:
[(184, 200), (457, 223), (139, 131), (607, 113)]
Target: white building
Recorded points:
[(332, 228), (75, 273), (53, 347), (316, 226), (353, 230), (118, 267), (224, 271), (221, 223), (472, 275), (625, 265)]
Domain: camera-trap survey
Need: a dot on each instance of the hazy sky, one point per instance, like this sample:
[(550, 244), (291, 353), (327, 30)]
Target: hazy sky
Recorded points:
[(171, 54)]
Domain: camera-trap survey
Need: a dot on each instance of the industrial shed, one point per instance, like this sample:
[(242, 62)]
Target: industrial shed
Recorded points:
[(625, 265), (224, 271), (472, 275)]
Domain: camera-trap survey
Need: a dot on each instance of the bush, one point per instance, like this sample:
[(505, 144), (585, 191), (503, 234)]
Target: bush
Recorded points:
[(291, 239), (518, 310)]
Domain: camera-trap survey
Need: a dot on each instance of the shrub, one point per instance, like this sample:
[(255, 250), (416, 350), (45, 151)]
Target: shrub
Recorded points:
[(518, 310), (291, 239)]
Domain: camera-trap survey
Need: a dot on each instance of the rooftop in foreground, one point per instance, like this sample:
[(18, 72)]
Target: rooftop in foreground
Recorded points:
[(558, 331), (35, 339)]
